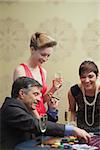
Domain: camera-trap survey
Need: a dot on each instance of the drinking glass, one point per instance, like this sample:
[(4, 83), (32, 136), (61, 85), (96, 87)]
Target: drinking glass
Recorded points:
[(58, 77), (43, 126)]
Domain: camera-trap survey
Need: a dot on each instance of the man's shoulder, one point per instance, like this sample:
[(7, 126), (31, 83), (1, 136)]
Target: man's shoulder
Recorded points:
[(12, 102)]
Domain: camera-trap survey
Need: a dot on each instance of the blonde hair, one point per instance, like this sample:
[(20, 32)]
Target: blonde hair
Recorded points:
[(41, 40)]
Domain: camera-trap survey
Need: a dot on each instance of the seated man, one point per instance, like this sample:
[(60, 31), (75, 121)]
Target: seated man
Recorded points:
[(17, 121)]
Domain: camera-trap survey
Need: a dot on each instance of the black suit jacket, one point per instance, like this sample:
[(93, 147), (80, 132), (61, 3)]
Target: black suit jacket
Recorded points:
[(18, 124)]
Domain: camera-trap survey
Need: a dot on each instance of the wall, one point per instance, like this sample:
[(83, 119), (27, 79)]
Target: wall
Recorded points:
[(75, 24)]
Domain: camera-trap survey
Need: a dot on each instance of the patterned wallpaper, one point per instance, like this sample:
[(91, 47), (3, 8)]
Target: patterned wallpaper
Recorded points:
[(75, 26), (64, 33), (91, 39), (13, 39)]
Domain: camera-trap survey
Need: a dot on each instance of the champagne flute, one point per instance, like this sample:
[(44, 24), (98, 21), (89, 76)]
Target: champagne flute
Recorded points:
[(43, 126), (58, 77)]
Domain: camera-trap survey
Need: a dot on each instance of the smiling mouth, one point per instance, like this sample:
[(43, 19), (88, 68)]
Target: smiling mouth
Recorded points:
[(42, 61), (87, 84)]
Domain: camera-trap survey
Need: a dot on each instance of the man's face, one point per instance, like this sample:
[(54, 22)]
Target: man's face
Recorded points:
[(33, 96)]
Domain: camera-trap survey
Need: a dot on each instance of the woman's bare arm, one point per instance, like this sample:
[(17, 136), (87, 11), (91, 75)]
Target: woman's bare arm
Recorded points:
[(72, 106)]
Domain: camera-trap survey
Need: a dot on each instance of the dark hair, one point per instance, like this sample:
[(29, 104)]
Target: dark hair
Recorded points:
[(41, 40), (23, 83), (88, 66)]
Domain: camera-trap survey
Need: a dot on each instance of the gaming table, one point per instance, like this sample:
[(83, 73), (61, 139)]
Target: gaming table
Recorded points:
[(95, 141), (33, 144)]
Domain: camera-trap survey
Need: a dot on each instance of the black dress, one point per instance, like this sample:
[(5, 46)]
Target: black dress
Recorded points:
[(80, 117)]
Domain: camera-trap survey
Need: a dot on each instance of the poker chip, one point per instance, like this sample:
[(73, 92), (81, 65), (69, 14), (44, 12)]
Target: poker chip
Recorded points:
[(69, 140)]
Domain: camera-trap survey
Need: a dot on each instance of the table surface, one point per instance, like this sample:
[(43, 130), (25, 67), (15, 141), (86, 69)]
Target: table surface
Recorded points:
[(33, 144), (95, 141)]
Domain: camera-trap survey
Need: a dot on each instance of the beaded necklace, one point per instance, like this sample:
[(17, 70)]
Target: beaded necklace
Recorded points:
[(89, 104)]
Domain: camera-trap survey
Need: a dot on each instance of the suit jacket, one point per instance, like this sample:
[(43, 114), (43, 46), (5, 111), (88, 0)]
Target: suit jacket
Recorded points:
[(18, 124)]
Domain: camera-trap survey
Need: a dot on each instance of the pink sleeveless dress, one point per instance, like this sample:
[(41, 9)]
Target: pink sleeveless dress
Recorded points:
[(40, 106)]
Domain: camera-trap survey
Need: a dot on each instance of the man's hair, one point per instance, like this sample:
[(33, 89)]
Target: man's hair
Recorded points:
[(23, 83), (88, 66)]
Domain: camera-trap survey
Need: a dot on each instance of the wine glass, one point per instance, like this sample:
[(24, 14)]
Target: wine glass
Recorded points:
[(43, 126), (58, 75), (58, 78)]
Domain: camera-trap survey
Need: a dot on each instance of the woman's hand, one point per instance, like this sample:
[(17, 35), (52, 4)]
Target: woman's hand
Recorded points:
[(57, 83)]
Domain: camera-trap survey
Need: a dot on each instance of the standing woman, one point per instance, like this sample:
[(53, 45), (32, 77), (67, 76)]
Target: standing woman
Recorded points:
[(87, 97), (41, 47)]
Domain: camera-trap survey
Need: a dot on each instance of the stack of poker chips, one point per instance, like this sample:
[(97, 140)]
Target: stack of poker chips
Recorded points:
[(70, 140), (67, 142)]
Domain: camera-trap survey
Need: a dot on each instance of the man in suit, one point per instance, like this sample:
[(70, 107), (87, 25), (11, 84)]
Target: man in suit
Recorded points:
[(18, 122)]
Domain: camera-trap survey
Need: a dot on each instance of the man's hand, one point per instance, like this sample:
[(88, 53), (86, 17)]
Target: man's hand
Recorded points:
[(80, 133), (53, 103)]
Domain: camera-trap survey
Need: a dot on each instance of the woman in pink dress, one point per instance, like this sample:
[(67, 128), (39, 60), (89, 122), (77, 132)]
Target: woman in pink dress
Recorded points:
[(41, 47)]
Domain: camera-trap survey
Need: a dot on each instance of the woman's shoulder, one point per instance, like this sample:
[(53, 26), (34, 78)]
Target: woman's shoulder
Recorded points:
[(75, 89), (99, 87), (75, 86), (44, 71), (19, 68), (18, 72)]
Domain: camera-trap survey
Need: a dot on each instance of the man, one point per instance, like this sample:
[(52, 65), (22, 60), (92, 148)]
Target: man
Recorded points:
[(17, 120)]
